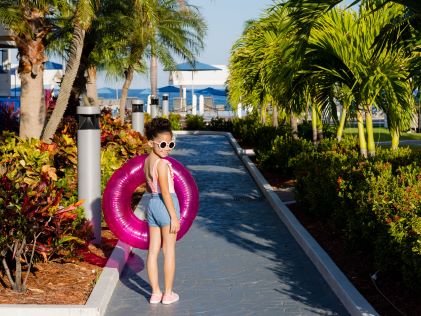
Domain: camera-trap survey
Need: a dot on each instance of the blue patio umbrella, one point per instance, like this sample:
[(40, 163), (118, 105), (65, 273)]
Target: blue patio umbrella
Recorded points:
[(193, 67), (213, 91), (52, 65), (169, 89), (107, 93)]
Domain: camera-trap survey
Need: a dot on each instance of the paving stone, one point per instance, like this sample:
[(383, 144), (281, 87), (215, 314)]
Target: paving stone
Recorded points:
[(237, 259)]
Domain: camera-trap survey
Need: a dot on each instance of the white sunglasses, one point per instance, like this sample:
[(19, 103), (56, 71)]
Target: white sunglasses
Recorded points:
[(163, 144)]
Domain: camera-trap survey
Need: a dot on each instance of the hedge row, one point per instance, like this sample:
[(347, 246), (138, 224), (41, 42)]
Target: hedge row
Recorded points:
[(376, 202)]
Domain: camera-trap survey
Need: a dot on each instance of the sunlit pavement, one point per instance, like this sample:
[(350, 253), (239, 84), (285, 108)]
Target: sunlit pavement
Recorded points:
[(237, 259)]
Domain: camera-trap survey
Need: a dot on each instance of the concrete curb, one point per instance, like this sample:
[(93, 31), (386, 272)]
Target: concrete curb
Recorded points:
[(353, 301), (103, 290), (98, 300)]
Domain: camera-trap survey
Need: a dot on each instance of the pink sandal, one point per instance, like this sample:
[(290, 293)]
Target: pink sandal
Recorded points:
[(156, 298), (170, 298)]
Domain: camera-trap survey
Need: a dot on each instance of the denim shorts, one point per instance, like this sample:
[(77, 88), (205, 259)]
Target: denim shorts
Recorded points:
[(157, 214)]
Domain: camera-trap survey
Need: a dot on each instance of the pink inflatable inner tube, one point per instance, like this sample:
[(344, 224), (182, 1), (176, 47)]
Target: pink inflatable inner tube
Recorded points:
[(116, 202)]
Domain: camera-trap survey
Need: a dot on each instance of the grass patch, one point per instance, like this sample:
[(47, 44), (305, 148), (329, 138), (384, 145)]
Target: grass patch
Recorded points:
[(382, 134)]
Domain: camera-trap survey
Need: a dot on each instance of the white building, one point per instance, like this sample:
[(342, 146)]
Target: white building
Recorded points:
[(5, 60), (51, 77), (9, 79), (199, 78)]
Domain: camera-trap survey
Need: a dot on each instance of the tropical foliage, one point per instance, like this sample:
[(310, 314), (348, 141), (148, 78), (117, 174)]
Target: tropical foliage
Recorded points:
[(329, 56), (116, 36), (150, 29), (41, 216), (374, 203), (30, 23)]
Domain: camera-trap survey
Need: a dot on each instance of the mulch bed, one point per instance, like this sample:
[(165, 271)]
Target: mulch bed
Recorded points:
[(358, 268), (70, 281)]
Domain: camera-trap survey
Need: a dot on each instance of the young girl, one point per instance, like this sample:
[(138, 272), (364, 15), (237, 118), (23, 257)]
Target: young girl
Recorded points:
[(163, 211)]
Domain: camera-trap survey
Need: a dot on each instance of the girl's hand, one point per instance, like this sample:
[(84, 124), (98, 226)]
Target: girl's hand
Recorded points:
[(174, 225)]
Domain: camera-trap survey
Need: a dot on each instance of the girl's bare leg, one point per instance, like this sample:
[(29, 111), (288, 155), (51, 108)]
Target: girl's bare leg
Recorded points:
[(152, 259), (168, 249)]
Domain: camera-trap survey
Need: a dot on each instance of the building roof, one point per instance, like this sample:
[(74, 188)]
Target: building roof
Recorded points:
[(200, 78)]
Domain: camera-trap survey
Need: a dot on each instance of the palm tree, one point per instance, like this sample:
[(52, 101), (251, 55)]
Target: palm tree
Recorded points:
[(134, 35), (339, 47), (264, 65), (251, 64), (165, 31), (102, 45), (30, 23), (335, 51), (83, 15), (404, 30), (396, 99), (345, 97), (183, 7), (164, 44)]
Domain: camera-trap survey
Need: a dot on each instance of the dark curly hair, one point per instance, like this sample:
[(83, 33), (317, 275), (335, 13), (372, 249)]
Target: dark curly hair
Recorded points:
[(156, 126)]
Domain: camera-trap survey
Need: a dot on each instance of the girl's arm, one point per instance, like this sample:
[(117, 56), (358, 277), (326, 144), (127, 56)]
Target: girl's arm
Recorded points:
[(163, 171)]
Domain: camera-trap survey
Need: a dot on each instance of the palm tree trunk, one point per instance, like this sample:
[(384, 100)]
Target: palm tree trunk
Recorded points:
[(361, 134), (32, 105), (154, 75), (371, 146), (294, 125), (319, 125), (395, 133), (314, 123), (275, 116), (263, 114), (31, 52), (66, 86), (91, 89), (127, 82), (341, 126)]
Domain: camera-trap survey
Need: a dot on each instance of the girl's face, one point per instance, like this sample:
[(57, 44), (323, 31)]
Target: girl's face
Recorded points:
[(162, 144)]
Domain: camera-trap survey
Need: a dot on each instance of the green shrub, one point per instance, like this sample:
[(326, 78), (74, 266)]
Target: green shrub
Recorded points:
[(175, 120), (264, 136), (284, 149), (220, 124), (39, 209), (244, 130), (118, 144), (382, 210), (194, 122), (305, 130), (376, 201), (329, 131), (40, 216), (250, 133), (317, 174)]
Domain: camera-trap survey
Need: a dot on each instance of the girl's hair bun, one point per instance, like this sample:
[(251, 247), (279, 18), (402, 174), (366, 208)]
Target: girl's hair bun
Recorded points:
[(156, 126)]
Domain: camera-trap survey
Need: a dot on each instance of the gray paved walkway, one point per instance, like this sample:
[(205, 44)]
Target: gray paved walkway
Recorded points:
[(237, 259)]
